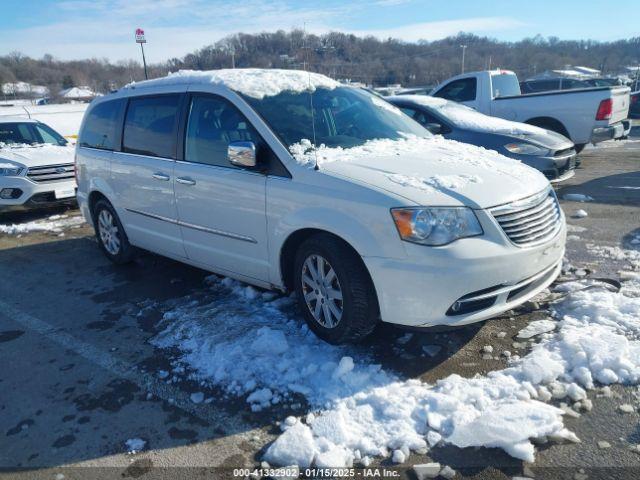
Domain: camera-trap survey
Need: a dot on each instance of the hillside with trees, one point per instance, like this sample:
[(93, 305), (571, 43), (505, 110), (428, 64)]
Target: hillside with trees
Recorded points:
[(342, 56)]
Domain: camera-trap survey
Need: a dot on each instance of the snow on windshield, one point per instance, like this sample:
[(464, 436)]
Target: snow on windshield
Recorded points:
[(242, 340), (252, 82), (467, 118)]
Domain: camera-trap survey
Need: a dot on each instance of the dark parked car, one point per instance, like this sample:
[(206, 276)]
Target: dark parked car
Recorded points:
[(549, 84), (634, 108), (551, 153), (602, 82)]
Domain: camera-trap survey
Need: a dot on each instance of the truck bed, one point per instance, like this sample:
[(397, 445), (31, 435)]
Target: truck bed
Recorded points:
[(556, 92)]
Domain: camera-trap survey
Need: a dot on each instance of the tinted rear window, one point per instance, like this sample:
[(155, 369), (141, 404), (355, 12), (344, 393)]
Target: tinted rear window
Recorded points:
[(150, 126), (463, 90), (102, 125)]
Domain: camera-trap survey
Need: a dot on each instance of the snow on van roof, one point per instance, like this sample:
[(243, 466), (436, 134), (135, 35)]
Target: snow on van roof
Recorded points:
[(469, 119), (253, 82)]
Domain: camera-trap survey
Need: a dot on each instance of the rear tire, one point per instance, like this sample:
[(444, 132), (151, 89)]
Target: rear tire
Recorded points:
[(334, 290), (110, 234)]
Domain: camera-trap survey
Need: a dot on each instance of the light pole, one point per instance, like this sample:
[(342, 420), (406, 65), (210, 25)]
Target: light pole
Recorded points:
[(464, 47)]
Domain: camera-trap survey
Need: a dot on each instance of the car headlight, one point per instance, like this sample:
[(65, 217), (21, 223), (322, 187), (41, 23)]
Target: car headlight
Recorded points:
[(435, 226), (10, 171), (526, 149)]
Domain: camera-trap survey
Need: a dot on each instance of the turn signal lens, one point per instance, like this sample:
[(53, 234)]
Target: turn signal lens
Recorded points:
[(403, 222)]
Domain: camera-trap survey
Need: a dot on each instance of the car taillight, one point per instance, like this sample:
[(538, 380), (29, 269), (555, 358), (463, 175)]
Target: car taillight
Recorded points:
[(605, 109), (634, 98)]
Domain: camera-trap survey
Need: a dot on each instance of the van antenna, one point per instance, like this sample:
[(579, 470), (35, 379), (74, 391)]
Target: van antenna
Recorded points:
[(29, 114), (313, 116)]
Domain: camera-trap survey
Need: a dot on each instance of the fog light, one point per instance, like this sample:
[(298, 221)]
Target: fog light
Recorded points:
[(10, 193)]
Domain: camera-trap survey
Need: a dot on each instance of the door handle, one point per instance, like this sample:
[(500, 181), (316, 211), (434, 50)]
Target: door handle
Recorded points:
[(161, 176), (186, 181)]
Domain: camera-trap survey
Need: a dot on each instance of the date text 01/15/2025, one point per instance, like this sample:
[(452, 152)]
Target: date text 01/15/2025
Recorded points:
[(292, 472)]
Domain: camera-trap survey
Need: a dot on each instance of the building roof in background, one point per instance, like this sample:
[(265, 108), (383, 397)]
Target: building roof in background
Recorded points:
[(78, 93), (17, 88)]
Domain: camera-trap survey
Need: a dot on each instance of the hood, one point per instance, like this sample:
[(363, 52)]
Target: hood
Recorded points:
[(431, 171), (36, 155), (545, 138)]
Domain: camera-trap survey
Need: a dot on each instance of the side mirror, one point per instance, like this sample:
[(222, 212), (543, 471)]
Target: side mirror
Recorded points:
[(434, 128), (242, 154)]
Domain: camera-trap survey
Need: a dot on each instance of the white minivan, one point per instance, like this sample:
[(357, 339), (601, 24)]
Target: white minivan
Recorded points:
[(289, 180)]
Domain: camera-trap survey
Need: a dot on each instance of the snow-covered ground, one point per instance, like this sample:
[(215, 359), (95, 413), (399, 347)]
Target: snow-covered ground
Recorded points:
[(63, 118), (53, 224), (252, 344)]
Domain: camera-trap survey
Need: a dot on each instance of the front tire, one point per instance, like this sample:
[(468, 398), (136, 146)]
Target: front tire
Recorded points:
[(334, 290), (110, 234)]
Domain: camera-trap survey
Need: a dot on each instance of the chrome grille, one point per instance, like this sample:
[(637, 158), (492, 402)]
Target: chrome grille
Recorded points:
[(531, 221), (51, 173)]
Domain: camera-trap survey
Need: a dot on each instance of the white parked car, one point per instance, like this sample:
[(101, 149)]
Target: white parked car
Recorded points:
[(382, 221), (36, 166)]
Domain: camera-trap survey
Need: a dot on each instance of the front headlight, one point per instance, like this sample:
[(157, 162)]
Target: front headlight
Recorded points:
[(10, 171), (435, 226), (526, 149)]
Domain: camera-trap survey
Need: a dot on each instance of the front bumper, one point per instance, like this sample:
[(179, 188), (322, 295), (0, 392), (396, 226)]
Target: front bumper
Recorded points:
[(468, 281), (30, 195), (556, 168), (610, 132)]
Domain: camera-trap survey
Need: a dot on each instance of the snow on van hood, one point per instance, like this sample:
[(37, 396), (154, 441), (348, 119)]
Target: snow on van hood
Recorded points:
[(429, 171), (253, 82), (35, 155)]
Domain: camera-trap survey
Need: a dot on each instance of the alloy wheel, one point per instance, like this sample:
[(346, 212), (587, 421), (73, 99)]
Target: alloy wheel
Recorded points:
[(108, 230), (322, 291)]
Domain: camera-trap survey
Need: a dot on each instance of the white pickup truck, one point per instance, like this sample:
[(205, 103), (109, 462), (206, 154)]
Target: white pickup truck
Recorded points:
[(585, 115)]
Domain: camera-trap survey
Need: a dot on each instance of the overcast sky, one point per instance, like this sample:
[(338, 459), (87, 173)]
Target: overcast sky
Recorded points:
[(72, 29)]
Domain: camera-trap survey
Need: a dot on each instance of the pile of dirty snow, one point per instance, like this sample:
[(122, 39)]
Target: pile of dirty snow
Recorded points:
[(52, 224), (253, 82), (252, 345)]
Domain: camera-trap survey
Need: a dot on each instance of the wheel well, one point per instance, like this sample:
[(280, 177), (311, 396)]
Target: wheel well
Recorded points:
[(550, 124), (290, 247), (93, 199)]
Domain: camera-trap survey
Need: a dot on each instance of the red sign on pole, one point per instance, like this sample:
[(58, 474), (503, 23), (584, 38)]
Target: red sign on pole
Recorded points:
[(140, 36)]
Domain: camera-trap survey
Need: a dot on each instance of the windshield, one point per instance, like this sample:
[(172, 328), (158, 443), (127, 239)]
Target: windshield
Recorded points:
[(26, 133), (505, 85), (344, 117)]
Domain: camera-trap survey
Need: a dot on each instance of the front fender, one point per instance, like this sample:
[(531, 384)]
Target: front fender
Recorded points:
[(369, 235)]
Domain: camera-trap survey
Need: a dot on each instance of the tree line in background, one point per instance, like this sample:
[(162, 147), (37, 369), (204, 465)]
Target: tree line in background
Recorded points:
[(341, 56)]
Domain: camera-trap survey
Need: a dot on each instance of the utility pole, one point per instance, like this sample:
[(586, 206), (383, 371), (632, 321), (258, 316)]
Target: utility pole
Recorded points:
[(464, 47), (233, 58)]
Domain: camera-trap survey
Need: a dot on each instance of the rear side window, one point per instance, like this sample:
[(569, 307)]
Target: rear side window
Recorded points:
[(102, 125), (150, 126), (463, 90)]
